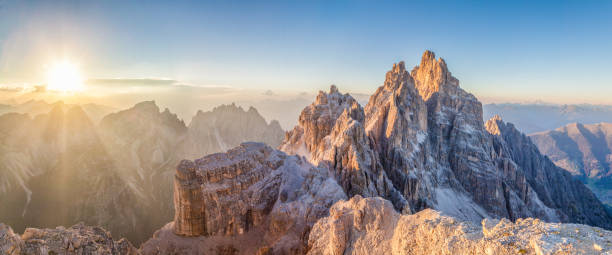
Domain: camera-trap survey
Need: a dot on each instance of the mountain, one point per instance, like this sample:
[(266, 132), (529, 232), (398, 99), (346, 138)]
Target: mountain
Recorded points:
[(224, 128), (49, 159), (426, 146), (371, 226), (420, 143), (583, 150), (540, 117), (61, 168)]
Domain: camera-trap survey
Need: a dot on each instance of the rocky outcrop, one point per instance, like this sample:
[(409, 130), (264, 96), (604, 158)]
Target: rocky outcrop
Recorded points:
[(249, 199), (372, 226), (78, 239)]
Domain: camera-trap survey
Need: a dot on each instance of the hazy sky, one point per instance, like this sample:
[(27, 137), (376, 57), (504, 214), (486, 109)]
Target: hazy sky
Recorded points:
[(553, 51)]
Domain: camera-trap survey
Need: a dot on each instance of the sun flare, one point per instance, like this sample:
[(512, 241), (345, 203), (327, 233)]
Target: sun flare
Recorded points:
[(64, 77)]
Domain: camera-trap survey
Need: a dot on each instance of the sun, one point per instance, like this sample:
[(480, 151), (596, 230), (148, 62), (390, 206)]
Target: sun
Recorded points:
[(64, 76)]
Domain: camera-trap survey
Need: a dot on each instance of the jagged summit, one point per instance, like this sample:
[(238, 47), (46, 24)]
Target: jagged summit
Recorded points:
[(147, 106), (226, 126), (399, 67), (428, 137), (432, 76), (333, 89), (316, 122), (492, 125)]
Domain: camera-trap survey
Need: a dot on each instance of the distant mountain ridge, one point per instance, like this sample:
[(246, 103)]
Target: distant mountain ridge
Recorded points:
[(583, 150), (35, 107), (539, 117), (60, 167)]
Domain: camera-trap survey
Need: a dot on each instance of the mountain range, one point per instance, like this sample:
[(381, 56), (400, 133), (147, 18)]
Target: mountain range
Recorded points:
[(61, 167), (415, 171), (539, 117), (583, 150), (420, 143)]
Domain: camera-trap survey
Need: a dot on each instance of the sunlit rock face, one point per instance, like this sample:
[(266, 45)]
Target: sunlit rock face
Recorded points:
[(420, 142), (117, 174), (78, 239), (372, 226), (583, 150), (250, 199), (331, 134), (427, 146)]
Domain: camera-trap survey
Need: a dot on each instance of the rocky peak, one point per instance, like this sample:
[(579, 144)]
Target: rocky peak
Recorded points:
[(317, 120), (147, 106), (398, 96), (492, 125), (332, 135), (227, 126), (397, 77), (142, 116), (252, 110), (333, 89), (432, 76)]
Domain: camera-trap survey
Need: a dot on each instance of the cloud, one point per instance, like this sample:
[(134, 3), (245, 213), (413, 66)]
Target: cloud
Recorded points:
[(132, 82), (269, 93)]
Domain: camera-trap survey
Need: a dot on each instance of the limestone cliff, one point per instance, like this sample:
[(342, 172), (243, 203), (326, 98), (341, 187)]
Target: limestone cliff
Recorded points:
[(250, 199)]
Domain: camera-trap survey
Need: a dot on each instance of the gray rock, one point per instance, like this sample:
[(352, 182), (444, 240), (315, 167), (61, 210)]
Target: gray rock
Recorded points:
[(371, 226), (250, 199)]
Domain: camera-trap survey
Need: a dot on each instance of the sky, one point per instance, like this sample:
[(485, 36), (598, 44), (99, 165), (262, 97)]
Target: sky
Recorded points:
[(513, 51)]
